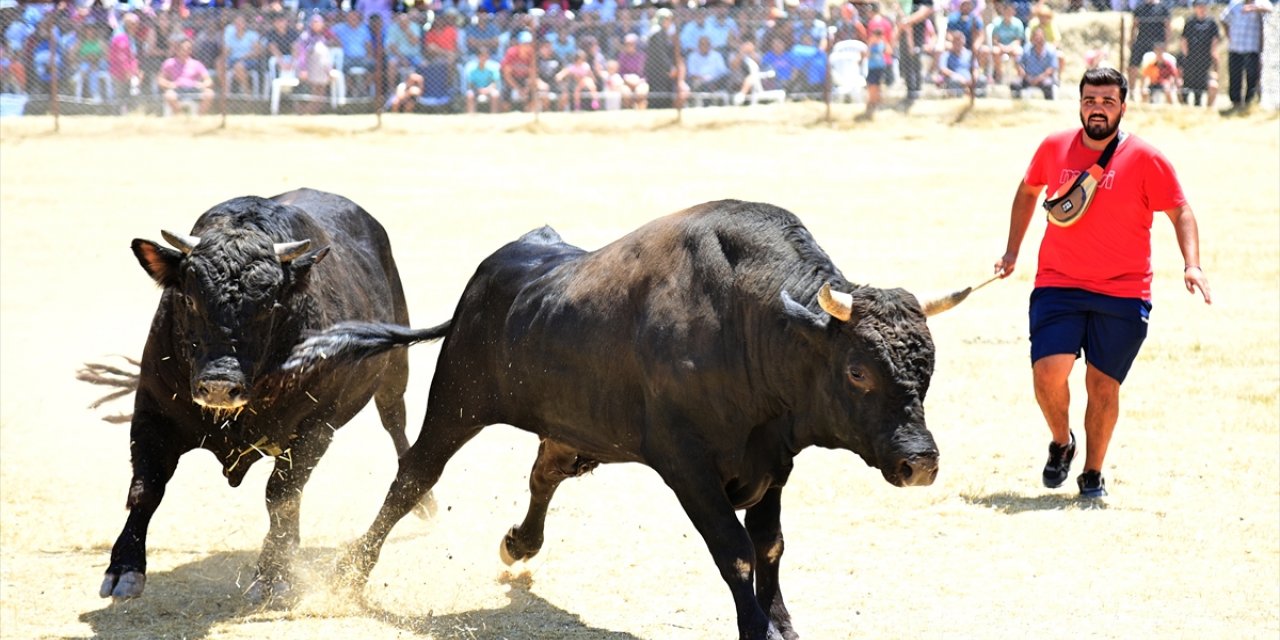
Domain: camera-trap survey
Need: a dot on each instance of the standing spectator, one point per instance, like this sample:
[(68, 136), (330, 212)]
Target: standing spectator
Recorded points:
[(403, 48), (1037, 68), (184, 76), (1242, 20), (693, 31), (706, 70), (663, 70), (878, 57), (481, 80), (1150, 25), (157, 42), (244, 51), (911, 43), (1093, 288), (122, 60), (1200, 38)]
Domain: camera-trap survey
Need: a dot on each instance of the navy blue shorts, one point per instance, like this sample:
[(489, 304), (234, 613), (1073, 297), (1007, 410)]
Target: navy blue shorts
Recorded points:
[(1108, 330)]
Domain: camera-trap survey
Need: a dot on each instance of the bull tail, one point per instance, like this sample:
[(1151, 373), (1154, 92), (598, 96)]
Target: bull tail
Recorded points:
[(348, 342), (124, 381)]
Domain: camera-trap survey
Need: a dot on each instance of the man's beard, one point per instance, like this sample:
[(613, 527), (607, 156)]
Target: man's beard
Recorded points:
[(1099, 130)]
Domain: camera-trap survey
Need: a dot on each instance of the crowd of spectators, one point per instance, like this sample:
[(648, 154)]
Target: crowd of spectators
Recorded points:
[(498, 55)]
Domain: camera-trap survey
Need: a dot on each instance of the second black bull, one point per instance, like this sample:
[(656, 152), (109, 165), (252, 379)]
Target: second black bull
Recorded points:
[(712, 345)]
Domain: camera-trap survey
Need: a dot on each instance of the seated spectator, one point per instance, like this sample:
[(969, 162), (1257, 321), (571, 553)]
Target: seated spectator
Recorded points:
[(968, 22), (577, 78), (403, 46), (1007, 33), (483, 32), (182, 76), (440, 41), (406, 95), (631, 68), (481, 78), (810, 63), (279, 40), (244, 51), (518, 67), (89, 54), (1037, 68), (13, 74), (706, 70), (356, 41), (955, 69), (563, 44), (1042, 17), (313, 64), (777, 61), (1160, 73)]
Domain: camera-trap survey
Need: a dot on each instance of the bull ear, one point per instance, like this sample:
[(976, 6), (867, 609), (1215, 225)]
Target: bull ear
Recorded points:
[(801, 315), (300, 268), (159, 262)]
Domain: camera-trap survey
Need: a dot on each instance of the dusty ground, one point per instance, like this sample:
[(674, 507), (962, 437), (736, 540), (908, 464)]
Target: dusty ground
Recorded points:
[(1188, 546)]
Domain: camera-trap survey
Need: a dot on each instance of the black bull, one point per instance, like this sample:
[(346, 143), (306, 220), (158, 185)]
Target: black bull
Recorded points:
[(712, 345), (239, 293)]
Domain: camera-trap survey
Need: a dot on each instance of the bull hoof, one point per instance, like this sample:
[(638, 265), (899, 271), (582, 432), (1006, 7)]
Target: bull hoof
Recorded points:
[(511, 551), (264, 591), (124, 586), (426, 509)]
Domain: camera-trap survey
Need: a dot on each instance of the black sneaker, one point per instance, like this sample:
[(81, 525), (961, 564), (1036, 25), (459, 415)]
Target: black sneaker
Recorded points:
[(1059, 464), (1092, 484)]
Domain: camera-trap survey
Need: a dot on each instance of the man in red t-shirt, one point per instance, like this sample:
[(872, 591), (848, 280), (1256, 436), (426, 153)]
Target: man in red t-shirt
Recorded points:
[(1093, 286)]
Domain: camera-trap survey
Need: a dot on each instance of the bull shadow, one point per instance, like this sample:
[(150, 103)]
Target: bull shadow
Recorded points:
[(1012, 503), (193, 599), (525, 617)]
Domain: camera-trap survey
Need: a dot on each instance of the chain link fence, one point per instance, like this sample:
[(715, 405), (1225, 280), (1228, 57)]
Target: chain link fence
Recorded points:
[(313, 56)]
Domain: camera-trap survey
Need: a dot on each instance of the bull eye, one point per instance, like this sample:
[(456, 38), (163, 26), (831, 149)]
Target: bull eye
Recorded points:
[(857, 375)]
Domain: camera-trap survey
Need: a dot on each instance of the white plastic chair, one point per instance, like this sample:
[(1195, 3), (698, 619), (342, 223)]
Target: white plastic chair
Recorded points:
[(758, 93), (848, 70)]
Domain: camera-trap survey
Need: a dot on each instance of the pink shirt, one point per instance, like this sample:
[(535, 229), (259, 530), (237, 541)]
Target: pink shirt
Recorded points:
[(1108, 250), (189, 75)]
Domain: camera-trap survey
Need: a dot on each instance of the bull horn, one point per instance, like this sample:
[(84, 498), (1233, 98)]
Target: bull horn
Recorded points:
[(180, 242), (943, 303), (288, 251), (836, 303)]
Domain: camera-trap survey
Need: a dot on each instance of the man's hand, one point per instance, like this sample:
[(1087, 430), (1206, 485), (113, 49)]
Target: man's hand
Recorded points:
[(1004, 266), (1194, 278)]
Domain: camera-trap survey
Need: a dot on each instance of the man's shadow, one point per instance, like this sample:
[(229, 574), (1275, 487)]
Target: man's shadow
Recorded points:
[(192, 599)]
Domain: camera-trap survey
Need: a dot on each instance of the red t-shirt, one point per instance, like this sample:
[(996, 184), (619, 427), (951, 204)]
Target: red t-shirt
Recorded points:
[(1108, 250)]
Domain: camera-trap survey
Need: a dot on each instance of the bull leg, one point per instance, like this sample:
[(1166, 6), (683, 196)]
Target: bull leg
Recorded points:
[(154, 461), (764, 525), (420, 469), (554, 465), (390, 402), (704, 500), (390, 399), (284, 501)]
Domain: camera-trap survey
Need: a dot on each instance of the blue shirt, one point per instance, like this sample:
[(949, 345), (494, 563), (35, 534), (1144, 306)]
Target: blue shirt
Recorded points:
[(355, 41), (1244, 30), (1035, 64)]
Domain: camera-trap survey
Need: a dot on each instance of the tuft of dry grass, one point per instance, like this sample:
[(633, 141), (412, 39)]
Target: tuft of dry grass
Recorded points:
[(1188, 546)]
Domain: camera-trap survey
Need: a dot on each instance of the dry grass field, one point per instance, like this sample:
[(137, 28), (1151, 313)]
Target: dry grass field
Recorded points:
[(1187, 546)]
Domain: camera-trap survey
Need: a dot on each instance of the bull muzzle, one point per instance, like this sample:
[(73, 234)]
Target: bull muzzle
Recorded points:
[(916, 470), (221, 395)]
